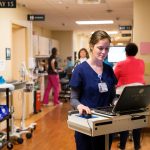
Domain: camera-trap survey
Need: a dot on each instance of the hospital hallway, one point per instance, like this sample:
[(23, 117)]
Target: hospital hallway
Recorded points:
[(52, 132)]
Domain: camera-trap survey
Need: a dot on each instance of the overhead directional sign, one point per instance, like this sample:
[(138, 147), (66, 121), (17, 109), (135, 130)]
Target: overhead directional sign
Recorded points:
[(36, 17), (125, 27), (7, 3), (126, 34)]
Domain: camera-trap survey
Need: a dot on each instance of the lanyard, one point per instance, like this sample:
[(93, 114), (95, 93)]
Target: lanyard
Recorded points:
[(100, 77)]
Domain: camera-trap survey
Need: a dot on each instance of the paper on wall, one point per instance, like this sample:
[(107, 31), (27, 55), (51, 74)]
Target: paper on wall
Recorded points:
[(2, 65)]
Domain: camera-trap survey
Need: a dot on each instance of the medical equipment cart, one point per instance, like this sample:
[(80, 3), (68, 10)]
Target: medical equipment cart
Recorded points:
[(6, 118)]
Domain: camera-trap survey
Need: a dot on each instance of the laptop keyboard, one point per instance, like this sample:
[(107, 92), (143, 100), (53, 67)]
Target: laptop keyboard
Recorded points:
[(105, 110), (108, 111)]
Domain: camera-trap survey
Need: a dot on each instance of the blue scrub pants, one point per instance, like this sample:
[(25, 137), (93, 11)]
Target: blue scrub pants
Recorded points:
[(136, 138), (85, 142)]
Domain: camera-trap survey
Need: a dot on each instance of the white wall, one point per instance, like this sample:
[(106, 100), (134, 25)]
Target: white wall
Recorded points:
[(141, 30), (65, 39), (9, 17)]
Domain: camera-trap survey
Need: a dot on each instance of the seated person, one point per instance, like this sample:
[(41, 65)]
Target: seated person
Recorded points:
[(128, 74)]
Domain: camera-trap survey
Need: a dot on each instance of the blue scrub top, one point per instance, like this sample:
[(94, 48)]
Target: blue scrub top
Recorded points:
[(86, 79)]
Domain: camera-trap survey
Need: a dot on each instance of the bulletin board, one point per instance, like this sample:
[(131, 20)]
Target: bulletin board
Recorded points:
[(145, 47)]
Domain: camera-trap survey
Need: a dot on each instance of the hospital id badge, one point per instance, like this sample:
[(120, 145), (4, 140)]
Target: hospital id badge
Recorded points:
[(102, 87)]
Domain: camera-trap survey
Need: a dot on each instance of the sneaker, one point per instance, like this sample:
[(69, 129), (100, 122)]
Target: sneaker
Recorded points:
[(60, 103), (50, 104)]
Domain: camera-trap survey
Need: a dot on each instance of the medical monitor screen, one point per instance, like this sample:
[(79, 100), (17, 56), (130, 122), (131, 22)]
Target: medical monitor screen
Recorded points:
[(116, 54)]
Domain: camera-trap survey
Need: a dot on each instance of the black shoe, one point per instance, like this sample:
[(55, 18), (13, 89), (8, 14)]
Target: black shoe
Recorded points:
[(118, 145), (138, 148)]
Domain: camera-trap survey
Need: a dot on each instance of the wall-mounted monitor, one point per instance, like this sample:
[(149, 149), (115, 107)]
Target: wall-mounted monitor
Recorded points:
[(116, 54)]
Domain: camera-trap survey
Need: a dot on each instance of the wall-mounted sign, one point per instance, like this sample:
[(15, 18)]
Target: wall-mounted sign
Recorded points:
[(36, 17), (126, 35), (8, 54), (125, 27), (7, 3)]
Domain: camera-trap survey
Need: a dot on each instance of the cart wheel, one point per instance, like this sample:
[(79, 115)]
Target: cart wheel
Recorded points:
[(34, 127), (9, 145), (18, 130), (20, 140), (1, 144), (28, 135)]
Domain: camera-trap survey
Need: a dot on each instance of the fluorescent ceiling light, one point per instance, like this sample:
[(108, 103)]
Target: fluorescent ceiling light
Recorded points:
[(95, 22), (88, 1)]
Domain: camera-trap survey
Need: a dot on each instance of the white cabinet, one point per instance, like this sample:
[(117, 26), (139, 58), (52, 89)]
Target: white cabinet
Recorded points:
[(54, 43), (35, 45), (41, 45)]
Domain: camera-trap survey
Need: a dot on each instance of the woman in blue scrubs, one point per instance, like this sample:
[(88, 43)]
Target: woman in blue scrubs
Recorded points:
[(93, 85)]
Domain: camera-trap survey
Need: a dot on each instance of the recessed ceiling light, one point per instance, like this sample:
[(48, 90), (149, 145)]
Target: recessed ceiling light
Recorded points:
[(95, 22)]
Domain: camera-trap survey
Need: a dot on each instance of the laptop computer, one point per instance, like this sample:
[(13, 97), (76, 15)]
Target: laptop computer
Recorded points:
[(133, 99)]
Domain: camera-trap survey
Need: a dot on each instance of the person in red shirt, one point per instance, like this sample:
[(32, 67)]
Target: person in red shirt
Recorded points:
[(130, 72)]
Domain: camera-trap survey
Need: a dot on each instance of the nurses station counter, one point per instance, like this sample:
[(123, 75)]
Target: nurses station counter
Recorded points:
[(101, 124)]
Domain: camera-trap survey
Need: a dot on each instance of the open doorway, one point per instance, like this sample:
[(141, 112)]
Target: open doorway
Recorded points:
[(19, 49)]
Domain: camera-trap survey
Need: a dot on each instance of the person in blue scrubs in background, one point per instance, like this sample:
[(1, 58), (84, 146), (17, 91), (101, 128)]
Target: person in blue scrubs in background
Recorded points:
[(93, 85)]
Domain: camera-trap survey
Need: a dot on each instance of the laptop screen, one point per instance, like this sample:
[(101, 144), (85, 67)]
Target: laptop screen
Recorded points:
[(133, 98)]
